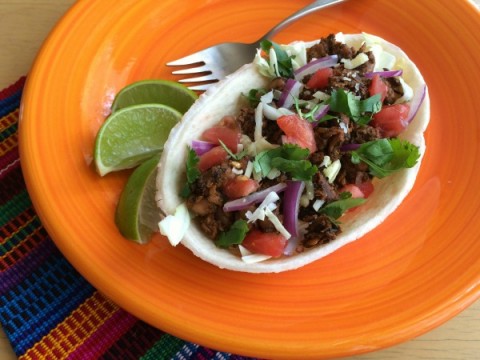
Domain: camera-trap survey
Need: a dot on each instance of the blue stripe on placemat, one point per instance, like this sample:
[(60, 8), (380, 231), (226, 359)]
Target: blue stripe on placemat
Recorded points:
[(34, 307), (10, 103)]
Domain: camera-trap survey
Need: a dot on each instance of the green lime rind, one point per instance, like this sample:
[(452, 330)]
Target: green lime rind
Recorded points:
[(164, 92), (133, 134), (137, 215)]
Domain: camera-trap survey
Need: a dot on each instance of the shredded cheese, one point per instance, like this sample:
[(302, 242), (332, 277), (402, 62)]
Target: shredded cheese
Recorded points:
[(258, 122), (332, 170), (255, 258), (277, 223), (249, 169), (358, 60), (318, 204), (259, 213)]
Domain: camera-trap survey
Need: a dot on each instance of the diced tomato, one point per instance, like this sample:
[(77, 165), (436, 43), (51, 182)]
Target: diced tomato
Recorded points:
[(214, 156), (297, 131), (319, 80), (391, 120), (366, 188), (377, 86), (362, 190), (230, 137), (240, 186), (259, 242), (354, 190)]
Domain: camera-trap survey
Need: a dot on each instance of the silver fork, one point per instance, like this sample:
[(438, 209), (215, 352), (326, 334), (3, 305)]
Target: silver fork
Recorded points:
[(216, 62)]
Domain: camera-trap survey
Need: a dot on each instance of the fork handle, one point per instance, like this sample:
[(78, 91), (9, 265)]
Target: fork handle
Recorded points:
[(316, 5)]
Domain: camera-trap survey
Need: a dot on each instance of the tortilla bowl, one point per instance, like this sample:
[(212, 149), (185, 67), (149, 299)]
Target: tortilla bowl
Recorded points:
[(225, 98)]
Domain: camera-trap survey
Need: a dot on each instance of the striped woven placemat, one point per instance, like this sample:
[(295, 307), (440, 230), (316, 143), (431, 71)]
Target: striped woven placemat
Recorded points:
[(47, 309)]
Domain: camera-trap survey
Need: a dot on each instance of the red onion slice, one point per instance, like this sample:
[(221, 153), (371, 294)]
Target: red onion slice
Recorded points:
[(201, 147), (417, 100), (315, 65), (385, 74), (290, 92), (321, 112), (349, 147), (292, 244), (259, 196), (291, 205)]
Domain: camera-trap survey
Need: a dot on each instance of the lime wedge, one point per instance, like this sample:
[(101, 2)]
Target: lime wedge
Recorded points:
[(164, 92), (137, 215), (132, 135)]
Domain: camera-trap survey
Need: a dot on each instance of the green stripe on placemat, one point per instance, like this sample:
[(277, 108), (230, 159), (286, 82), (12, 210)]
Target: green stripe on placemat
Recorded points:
[(14, 207)]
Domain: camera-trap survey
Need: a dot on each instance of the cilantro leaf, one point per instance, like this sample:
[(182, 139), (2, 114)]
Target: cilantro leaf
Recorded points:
[(337, 208), (284, 61), (254, 96), (360, 111), (310, 115), (299, 169), (385, 156), (192, 172), (235, 235), (289, 158), (238, 156)]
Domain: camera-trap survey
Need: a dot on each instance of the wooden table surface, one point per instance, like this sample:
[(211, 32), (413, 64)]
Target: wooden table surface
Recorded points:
[(24, 24)]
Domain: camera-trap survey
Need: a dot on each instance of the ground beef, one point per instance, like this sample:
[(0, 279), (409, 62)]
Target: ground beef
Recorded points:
[(351, 173), (349, 80), (246, 120), (278, 83), (321, 230), (206, 192), (270, 129), (395, 90), (266, 225), (266, 183), (364, 133), (323, 189), (215, 223), (329, 46), (272, 132), (317, 158), (329, 140)]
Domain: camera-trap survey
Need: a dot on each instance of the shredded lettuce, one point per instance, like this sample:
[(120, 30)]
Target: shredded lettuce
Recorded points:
[(278, 63), (297, 51), (383, 59)]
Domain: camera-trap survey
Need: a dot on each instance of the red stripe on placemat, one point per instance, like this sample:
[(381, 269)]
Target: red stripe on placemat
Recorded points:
[(24, 258), (134, 343), (9, 156), (104, 337), (11, 184), (9, 91)]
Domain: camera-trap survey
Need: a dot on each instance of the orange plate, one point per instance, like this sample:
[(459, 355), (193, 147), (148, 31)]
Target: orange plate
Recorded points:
[(415, 271)]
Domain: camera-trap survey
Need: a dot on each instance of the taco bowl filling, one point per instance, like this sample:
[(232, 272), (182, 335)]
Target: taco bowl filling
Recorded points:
[(274, 178)]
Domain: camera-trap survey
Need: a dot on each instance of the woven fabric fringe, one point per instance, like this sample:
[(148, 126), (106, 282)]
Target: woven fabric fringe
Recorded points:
[(47, 309)]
